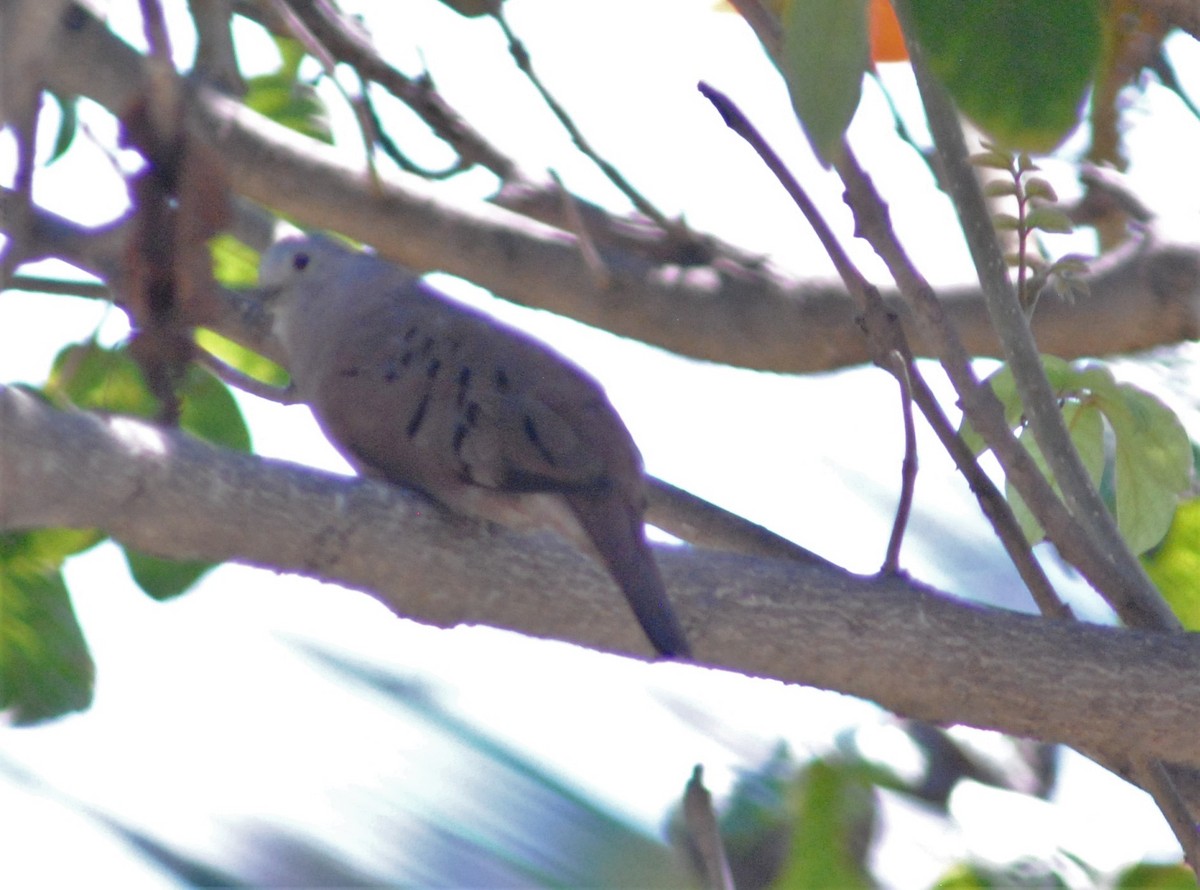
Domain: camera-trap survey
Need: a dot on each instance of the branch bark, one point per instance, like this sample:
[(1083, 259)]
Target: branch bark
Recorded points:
[(913, 650)]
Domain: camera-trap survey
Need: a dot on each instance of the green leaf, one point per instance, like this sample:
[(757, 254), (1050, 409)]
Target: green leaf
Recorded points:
[(1000, 188), (163, 578), (1005, 222), (209, 411), (1086, 428), (993, 159), (234, 263), (1036, 187), (45, 667), (834, 825), (1049, 219), (1156, 876), (1174, 567), (237, 356), (91, 376), (68, 124), (1152, 457), (1153, 464), (1019, 69), (825, 55), (285, 100)]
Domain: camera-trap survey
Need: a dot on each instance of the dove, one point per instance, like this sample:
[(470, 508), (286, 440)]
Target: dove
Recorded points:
[(429, 394)]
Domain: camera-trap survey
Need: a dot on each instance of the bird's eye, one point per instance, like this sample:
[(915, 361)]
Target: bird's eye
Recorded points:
[(300, 262)]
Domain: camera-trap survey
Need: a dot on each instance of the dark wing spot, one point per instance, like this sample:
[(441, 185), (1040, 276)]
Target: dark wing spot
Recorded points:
[(390, 371), (406, 359), (410, 333), (427, 346), (300, 261), (418, 417), (431, 371), (501, 380), (460, 435), (472, 413), (464, 382), (531, 434), (351, 372)]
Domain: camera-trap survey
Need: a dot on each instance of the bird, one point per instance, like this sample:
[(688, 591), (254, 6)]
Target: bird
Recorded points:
[(427, 393)]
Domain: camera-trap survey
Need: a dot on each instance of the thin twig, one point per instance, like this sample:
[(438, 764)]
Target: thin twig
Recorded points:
[(700, 819), (908, 467), (59, 286), (1155, 777), (875, 316), (521, 56), (861, 193), (347, 44), (583, 237)]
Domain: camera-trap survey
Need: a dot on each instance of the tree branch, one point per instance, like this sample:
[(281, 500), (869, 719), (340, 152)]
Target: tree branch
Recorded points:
[(1145, 297), (913, 650)]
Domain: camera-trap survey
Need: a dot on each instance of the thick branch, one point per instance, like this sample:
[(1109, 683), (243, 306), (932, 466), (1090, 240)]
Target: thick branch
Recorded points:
[(914, 651), (752, 318)]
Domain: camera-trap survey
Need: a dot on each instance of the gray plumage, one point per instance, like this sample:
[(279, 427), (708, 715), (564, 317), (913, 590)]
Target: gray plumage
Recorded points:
[(426, 393)]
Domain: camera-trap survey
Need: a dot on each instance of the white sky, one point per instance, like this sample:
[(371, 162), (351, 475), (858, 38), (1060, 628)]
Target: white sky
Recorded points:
[(783, 451)]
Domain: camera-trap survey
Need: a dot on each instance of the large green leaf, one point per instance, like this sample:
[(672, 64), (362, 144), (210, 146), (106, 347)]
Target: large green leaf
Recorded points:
[(1151, 457), (45, 667), (825, 54), (1020, 69)]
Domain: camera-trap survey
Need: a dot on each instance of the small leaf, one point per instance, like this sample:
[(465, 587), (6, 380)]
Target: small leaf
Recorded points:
[(1006, 222), (68, 124), (1036, 187), (285, 100), (163, 578), (825, 55), (1000, 188), (1025, 163), (993, 159), (1049, 219), (472, 8)]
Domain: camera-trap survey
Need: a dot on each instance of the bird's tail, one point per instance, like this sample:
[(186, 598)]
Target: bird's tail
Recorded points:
[(619, 537)]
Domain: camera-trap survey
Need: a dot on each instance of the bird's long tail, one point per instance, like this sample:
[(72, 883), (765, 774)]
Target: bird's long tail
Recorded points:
[(619, 537)]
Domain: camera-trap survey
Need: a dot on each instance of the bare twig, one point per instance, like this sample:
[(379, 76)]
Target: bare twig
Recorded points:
[(570, 210), (901, 369), (704, 832), (521, 56), (346, 43)]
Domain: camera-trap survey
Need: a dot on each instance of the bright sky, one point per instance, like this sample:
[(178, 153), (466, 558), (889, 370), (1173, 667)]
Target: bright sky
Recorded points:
[(237, 715)]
